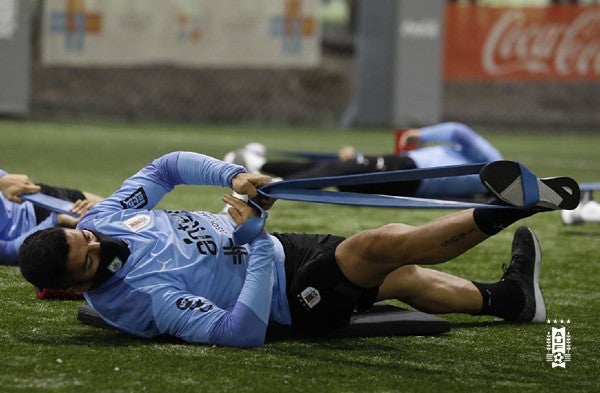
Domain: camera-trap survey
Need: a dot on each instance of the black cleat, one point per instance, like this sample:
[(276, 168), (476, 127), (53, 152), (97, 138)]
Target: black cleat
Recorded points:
[(524, 271), (504, 180)]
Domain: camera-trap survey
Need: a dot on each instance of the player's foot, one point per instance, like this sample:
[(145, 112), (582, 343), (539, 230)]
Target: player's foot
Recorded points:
[(523, 272), (252, 157), (571, 217), (516, 186), (586, 212)]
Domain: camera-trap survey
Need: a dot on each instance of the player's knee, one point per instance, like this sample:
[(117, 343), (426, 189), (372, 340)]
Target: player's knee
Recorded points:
[(409, 271), (390, 236), (376, 244)]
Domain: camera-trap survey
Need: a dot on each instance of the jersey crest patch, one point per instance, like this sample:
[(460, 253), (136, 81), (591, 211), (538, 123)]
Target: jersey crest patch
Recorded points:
[(115, 265), (137, 222), (136, 200)]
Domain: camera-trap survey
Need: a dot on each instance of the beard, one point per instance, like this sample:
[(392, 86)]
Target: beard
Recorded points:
[(113, 255)]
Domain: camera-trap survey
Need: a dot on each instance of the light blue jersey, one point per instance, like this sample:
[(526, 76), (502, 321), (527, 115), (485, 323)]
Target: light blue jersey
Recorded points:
[(460, 146), (185, 277), (17, 221)]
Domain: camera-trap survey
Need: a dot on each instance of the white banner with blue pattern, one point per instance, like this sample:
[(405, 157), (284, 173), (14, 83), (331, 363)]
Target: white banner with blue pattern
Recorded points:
[(204, 33)]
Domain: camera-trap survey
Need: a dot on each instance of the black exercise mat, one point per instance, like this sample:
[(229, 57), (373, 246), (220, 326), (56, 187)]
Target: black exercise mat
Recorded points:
[(381, 320)]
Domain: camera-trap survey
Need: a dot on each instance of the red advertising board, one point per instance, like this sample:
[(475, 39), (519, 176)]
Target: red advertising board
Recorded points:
[(541, 43)]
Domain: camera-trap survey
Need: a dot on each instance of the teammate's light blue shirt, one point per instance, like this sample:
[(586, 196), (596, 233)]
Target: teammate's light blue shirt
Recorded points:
[(461, 145), (185, 277), (17, 221)]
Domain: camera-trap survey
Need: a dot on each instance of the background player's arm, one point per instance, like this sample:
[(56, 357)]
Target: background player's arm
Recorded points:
[(13, 185), (471, 145), (9, 249)]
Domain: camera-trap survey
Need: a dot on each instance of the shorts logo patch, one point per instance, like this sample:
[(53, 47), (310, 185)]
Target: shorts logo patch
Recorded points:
[(136, 200), (137, 222), (310, 296)]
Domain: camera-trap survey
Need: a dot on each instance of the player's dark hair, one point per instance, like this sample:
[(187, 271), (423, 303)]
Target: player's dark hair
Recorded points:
[(43, 259)]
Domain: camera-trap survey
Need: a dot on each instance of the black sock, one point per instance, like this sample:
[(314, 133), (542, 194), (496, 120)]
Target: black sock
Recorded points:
[(492, 221), (501, 299)]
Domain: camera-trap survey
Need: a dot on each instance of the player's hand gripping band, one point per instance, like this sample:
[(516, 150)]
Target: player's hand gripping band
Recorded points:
[(252, 227)]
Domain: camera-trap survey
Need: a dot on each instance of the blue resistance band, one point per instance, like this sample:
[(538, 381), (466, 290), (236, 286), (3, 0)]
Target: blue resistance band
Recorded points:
[(252, 227), (49, 202), (589, 186), (309, 190), (531, 194)]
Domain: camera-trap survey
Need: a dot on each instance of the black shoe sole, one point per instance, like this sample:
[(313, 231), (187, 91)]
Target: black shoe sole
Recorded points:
[(503, 179)]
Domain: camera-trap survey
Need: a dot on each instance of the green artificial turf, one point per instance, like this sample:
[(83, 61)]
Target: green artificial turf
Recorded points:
[(45, 349)]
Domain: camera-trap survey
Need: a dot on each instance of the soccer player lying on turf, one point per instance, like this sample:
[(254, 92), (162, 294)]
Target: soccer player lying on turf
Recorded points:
[(151, 272), (19, 219), (438, 145)]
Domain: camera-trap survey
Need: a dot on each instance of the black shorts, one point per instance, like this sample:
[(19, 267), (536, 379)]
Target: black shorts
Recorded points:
[(320, 297), (66, 194)]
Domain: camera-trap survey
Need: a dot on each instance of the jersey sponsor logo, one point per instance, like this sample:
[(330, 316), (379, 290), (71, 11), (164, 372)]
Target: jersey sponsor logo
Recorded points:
[(193, 232), (136, 200), (310, 297), (193, 303), (212, 220), (136, 223)]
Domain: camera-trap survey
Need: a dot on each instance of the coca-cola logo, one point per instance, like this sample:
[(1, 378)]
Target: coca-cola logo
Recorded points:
[(516, 44)]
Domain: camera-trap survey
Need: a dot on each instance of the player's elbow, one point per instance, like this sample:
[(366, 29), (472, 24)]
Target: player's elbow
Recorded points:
[(249, 341), (246, 339), (241, 328), (456, 126)]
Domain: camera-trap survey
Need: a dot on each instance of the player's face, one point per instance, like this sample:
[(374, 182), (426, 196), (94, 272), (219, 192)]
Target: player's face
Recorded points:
[(84, 255)]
